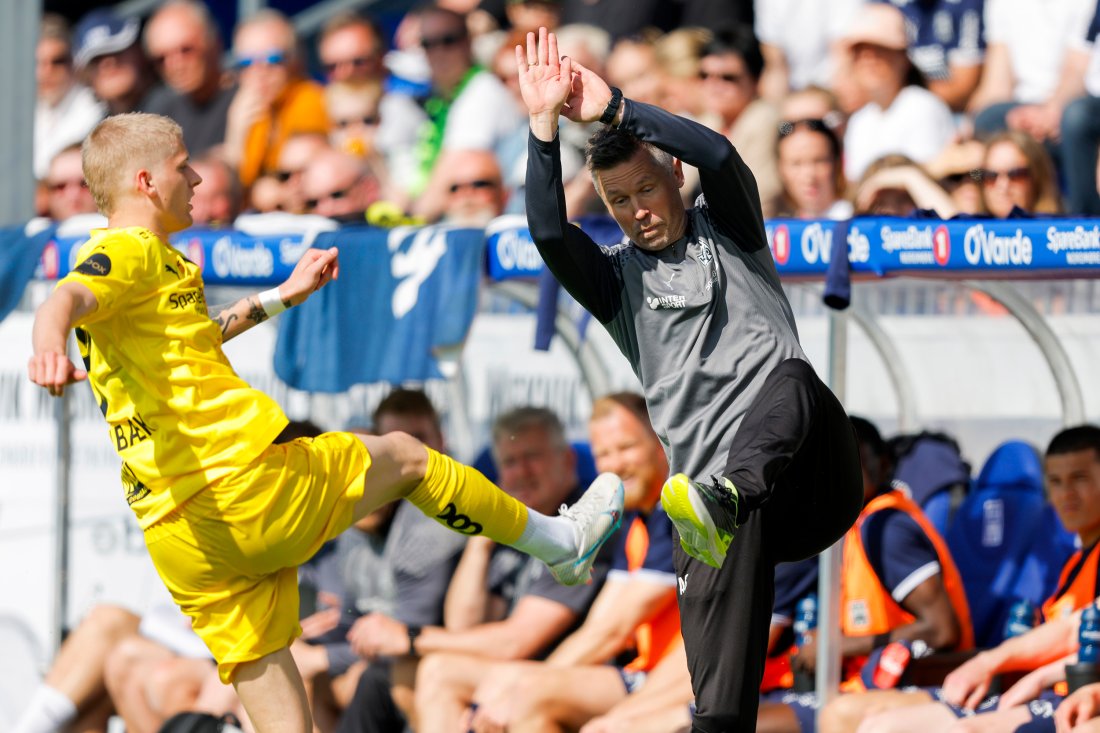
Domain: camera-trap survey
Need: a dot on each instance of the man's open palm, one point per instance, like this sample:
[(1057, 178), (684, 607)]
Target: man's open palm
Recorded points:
[(544, 80)]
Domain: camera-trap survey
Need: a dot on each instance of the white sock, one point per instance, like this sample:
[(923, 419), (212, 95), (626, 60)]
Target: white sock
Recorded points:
[(49, 711), (550, 539)]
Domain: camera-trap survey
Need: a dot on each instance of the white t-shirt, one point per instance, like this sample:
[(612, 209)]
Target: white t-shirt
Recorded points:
[(67, 122), (841, 210), (1037, 36), (1090, 44), (804, 30), (917, 124), (483, 115), (401, 118)]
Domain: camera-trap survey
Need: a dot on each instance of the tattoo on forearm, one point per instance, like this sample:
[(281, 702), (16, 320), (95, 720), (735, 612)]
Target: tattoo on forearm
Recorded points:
[(224, 319), (256, 312)]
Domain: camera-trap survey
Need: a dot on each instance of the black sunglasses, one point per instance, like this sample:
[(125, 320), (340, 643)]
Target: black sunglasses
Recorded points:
[(312, 203), (728, 78), (368, 120), (480, 183), (359, 62), (450, 39)]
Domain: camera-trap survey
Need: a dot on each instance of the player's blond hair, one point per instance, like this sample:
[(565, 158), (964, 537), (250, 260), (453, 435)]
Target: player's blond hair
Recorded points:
[(119, 146)]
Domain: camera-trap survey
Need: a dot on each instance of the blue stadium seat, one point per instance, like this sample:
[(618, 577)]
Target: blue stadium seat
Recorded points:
[(586, 464), (936, 475), (993, 532), (1042, 565)]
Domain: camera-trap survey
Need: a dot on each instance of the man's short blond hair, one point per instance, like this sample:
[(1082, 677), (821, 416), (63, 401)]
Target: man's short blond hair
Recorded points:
[(119, 146)]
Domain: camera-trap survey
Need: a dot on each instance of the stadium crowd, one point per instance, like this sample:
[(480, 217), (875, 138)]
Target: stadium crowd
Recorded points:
[(840, 108)]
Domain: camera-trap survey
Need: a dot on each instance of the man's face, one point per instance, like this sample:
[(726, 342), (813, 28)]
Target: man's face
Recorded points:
[(66, 192), (535, 470), (625, 446), (476, 193), (351, 54), (114, 76), (421, 427), (1073, 483), (447, 47), (336, 188), (263, 55), (212, 203), (53, 69), (179, 47), (644, 198), (294, 158), (727, 86), (175, 182)]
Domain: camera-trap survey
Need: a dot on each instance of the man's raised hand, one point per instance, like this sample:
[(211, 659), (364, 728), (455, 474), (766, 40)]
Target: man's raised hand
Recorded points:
[(545, 82)]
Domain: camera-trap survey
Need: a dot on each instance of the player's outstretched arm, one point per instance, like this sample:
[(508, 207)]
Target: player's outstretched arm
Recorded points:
[(316, 268), (49, 366)]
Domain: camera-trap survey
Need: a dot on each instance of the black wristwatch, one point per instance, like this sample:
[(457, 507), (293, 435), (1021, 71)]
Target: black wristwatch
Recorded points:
[(414, 631), (612, 106)]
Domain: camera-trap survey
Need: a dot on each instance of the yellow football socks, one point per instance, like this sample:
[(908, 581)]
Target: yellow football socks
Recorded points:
[(462, 499)]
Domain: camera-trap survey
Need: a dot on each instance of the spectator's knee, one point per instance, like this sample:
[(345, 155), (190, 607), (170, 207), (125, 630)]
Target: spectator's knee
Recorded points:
[(111, 621), (844, 713), (431, 675), (120, 662)]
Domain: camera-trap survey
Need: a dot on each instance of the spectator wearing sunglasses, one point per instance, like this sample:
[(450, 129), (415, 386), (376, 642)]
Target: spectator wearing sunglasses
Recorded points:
[(730, 71), (811, 171), (297, 153), (274, 100), (66, 191), (1017, 176), (185, 46), (339, 186), (476, 193), (469, 108), (351, 49), (65, 110)]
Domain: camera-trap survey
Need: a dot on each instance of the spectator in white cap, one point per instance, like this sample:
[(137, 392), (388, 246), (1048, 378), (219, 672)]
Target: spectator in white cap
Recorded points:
[(109, 55), (900, 114)]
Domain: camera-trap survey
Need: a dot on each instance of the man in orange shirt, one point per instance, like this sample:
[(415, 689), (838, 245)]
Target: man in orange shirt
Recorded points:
[(274, 100)]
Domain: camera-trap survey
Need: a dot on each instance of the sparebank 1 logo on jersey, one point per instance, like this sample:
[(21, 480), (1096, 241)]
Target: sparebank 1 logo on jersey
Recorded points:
[(989, 248), (781, 244)]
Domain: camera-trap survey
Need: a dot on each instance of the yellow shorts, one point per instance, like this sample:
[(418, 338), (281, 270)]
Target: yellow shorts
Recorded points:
[(229, 555)]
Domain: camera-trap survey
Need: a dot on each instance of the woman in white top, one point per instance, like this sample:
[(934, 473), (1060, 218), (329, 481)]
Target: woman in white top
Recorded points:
[(900, 115)]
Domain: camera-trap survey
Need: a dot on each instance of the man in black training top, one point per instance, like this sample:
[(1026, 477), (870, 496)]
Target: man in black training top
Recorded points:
[(764, 459)]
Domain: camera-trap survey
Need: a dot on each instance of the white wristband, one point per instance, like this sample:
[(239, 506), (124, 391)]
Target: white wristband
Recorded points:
[(272, 302)]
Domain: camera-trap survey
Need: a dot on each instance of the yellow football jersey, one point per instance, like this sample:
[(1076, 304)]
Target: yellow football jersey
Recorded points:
[(177, 413)]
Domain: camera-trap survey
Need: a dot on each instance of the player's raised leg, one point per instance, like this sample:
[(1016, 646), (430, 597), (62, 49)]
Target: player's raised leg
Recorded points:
[(461, 498)]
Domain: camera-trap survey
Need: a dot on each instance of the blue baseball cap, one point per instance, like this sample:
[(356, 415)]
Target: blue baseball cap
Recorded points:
[(102, 32)]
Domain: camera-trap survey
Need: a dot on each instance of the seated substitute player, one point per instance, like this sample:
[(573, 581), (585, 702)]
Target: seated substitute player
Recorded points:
[(634, 612), (1071, 468), (899, 583), (227, 515)]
